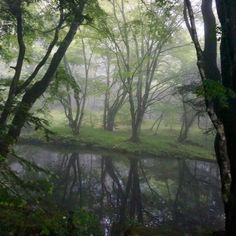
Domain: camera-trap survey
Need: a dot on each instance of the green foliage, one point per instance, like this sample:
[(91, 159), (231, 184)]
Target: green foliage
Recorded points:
[(217, 92), (25, 221), (22, 210), (27, 207), (164, 3), (85, 223), (39, 123), (34, 26), (63, 85), (94, 13), (20, 219)]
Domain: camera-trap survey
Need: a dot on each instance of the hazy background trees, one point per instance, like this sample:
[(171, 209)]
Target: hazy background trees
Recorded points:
[(122, 65)]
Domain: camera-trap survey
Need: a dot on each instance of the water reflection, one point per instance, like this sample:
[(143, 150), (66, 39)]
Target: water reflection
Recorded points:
[(182, 194)]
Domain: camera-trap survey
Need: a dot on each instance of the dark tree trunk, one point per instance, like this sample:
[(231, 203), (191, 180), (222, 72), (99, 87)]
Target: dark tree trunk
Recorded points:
[(227, 15), (110, 119), (230, 133), (137, 120), (16, 11), (225, 121), (112, 104), (135, 133), (110, 112), (186, 125), (110, 122)]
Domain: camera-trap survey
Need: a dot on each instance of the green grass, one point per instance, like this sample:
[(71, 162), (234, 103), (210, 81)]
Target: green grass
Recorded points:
[(164, 144)]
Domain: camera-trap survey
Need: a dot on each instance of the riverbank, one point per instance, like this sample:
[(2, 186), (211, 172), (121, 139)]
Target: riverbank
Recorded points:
[(163, 144)]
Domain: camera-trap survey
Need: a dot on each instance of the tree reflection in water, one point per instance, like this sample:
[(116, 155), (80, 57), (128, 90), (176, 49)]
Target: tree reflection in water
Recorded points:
[(183, 194)]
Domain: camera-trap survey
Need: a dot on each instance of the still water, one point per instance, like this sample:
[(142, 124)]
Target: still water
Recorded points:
[(183, 194)]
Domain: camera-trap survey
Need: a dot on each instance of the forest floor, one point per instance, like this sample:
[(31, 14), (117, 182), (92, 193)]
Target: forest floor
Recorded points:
[(162, 144)]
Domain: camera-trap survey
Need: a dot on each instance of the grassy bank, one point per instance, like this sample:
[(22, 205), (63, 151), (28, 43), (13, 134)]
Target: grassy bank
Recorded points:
[(163, 144)]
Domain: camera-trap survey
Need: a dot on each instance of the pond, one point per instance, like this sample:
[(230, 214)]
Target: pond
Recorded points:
[(177, 193)]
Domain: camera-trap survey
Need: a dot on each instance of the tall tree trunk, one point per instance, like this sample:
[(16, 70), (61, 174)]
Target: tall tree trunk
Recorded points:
[(223, 118), (136, 127), (227, 15), (135, 133), (87, 62), (111, 111), (186, 125), (111, 107), (110, 122), (16, 10)]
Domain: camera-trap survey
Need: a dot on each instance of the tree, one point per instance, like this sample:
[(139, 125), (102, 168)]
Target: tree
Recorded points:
[(138, 46), (72, 90), (219, 90), (188, 118), (115, 95), (66, 90), (193, 107), (24, 93)]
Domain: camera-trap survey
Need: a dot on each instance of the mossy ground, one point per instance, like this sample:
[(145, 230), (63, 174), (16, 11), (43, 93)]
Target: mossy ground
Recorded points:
[(162, 144)]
